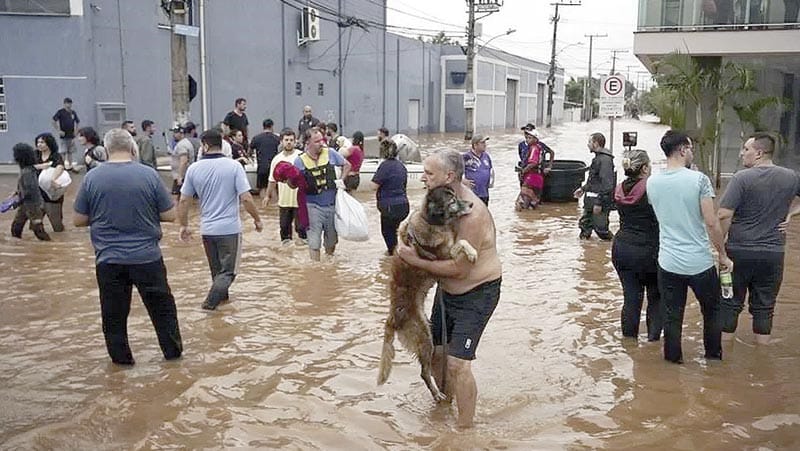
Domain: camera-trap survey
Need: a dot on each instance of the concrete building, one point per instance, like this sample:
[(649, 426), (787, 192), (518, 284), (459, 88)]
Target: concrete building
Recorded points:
[(510, 90), (113, 59), (763, 35)]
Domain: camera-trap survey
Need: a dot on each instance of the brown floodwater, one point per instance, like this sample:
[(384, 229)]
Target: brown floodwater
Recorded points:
[(291, 361)]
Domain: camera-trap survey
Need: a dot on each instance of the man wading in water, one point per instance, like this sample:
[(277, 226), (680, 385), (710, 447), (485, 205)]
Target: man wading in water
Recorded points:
[(469, 291)]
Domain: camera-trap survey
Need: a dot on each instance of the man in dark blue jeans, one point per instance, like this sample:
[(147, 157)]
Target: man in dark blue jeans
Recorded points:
[(683, 201), (124, 202)]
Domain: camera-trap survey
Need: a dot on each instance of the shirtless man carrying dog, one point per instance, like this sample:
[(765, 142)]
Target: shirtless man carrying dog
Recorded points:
[(470, 290)]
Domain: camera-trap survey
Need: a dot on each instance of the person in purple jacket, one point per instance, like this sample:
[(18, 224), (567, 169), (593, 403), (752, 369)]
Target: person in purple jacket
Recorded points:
[(478, 170)]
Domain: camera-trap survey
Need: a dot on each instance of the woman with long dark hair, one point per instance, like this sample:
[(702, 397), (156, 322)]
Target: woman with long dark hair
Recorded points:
[(93, 153), (391, 178), (635, 249), (30, 197), (47, 156)]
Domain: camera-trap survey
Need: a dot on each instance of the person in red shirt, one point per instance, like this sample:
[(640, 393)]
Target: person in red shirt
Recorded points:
[(355, 156)]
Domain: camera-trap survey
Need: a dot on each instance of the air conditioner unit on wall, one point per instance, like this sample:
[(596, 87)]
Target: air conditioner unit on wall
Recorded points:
[(309, 26)]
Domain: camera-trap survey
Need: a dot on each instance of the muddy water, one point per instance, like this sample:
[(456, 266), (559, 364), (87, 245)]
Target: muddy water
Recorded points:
[(291, 361)]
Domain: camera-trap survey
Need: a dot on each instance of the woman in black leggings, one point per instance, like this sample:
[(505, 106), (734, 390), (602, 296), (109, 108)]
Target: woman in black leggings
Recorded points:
[(635, 250), (391, 178)]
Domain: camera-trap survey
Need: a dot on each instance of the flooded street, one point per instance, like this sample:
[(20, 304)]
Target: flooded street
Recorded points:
[(291, 362)]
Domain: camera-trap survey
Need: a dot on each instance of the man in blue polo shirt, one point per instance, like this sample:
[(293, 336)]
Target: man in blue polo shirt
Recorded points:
[(478, 169), (683, 201), (318, 166)]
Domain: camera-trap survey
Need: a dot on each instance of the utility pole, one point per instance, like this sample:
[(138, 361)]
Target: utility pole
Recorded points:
[(180, 73), (551, 78), (587, 84), (469, 94), (614, 72)]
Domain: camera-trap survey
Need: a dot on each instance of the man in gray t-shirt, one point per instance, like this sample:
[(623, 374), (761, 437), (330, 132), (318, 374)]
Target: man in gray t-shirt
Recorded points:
[(753, 213), (181, 157)]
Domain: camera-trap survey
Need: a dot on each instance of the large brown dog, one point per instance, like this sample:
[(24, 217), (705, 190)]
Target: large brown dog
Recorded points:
[(432, 233)]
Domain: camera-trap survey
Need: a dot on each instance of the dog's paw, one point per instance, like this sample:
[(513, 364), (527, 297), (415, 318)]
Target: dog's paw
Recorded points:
[(439, 397), (463, 247)]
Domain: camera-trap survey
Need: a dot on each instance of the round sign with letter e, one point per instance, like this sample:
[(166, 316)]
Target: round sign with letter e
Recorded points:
[(613, 86)]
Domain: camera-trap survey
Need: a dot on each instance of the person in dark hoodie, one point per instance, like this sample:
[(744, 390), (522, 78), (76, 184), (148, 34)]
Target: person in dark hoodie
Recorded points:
[(597, 191), (635, 249), (31, 203)]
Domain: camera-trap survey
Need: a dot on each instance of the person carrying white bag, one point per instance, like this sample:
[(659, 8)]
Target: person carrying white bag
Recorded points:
[(318, 167), (351, 219)]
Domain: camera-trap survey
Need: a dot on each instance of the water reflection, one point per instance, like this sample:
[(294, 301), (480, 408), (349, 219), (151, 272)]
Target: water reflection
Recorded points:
[(291, 361)]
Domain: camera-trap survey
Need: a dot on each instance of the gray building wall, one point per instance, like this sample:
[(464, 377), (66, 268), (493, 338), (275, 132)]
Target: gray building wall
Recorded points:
[(118, 53)]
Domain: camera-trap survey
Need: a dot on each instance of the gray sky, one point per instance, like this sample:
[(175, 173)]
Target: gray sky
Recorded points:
[(531, 19)]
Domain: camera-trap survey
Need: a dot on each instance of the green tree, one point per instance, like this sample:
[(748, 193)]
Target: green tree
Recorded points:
[(574, 91)]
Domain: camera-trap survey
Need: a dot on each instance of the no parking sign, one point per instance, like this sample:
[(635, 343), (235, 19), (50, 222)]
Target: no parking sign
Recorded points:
[(612, 96)]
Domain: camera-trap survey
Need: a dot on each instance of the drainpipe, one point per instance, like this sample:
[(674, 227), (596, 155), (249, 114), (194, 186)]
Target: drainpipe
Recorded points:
[(203, 75)]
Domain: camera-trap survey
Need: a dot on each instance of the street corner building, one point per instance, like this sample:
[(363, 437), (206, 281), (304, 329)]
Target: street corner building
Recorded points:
[(115, 60)]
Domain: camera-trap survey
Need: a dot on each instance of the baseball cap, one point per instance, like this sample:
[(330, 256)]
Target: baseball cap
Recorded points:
[(528, 127), (478, 138)]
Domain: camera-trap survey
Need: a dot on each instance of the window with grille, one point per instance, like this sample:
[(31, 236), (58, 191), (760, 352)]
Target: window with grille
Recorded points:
[(59, 7), (3, 112)]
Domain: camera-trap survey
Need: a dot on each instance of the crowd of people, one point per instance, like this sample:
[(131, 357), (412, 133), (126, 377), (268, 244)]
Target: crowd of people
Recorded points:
[(668, 222)]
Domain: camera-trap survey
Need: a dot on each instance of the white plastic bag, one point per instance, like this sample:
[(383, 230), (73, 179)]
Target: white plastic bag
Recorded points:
[(63, 181), (351, 219)]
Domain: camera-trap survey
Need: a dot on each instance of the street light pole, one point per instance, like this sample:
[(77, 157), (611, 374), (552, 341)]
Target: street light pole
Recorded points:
[(587, 84), (180, 73), (551, 78), (469, 93)]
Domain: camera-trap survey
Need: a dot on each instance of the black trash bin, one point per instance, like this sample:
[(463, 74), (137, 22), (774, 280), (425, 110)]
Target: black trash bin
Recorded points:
[(565, 177)]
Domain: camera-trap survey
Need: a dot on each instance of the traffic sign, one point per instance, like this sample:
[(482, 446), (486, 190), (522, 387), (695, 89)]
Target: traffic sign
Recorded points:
[(612, 96), (613, 86)]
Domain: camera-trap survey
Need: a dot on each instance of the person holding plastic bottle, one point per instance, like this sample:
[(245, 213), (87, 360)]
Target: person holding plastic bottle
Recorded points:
[(683, 201)]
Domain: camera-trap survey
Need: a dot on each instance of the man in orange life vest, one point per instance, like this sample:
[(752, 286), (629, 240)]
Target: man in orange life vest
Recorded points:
[(318, 164)]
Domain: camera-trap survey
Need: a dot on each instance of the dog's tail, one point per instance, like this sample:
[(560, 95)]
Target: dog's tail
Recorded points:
[(387, 355)]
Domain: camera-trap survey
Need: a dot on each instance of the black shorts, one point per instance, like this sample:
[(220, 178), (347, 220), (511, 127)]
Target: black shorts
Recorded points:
[(262, 180), (466, 316), (176, 189)]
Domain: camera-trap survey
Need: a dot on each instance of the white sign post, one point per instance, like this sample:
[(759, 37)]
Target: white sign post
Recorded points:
[(469, 100), (612, 101)]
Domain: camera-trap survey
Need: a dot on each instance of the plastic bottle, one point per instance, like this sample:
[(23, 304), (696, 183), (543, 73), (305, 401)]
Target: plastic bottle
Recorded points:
[(726, 283)]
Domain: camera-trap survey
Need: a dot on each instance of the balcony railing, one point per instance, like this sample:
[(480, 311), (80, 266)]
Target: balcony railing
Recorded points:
[(699, 15)]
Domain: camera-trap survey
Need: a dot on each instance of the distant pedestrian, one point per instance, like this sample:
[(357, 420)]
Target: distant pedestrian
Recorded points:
[(307, 121), (478, 169), (683, 201), (392, 199), (238, 152), (31, 204), (318, 164), (598, 191), (221, 185), (532, 168), (47, 156), (383, 133), (93, 153), (147, 150), (265, 145), (66, 123), (190, 133), (129, 127), (354, 153), (237, 119), (289, 204), (634, 253), (754, 213), (124, 203), (181, 157)]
